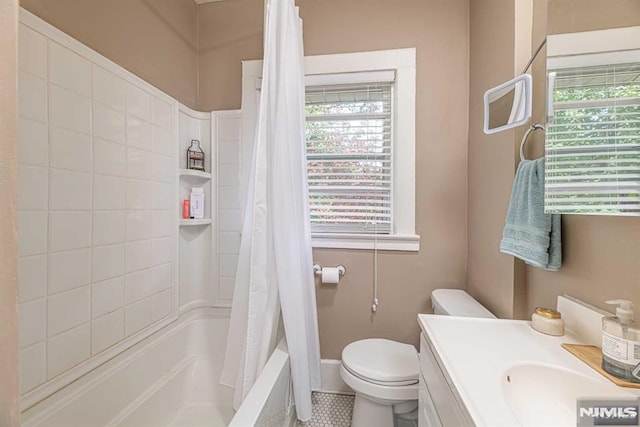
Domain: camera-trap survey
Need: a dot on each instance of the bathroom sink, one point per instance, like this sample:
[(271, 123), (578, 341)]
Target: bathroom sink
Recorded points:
[(529, 387)]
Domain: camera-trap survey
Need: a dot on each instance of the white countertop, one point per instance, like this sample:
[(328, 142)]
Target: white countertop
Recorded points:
[(476, 354)]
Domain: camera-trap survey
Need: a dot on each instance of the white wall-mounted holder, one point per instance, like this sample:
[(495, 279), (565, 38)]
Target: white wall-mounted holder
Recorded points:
[(317, 269)]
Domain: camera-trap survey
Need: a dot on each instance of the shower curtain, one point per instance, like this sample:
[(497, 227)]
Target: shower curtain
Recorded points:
[(275, 267)]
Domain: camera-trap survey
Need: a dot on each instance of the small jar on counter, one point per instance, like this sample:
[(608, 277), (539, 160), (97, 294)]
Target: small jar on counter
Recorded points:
[(548, 321)]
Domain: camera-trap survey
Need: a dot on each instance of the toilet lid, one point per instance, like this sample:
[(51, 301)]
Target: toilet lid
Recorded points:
[(382, 361)]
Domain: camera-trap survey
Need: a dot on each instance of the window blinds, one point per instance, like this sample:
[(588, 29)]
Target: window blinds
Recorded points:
[(593, 141), (349, 157)]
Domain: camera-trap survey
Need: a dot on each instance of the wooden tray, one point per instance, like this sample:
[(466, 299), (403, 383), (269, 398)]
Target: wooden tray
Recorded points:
[(592, 356)]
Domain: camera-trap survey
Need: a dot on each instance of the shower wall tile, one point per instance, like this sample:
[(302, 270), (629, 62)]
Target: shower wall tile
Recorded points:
[(230, 219), (108, 88), (68, 349), (229, 242), (107, 296), (68, 309), (228, 265), (69, 270), (95, 243), (33, 52), (228, 175), (69, 230), (33, 366), (32, 275), (225, 291), (70, 150), (69, 70)]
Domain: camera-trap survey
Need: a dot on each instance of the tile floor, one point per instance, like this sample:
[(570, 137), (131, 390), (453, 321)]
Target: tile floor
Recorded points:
[(330, 410)]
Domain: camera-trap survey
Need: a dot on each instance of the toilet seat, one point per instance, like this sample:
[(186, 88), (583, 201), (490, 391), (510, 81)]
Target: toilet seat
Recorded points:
[(383, 362)]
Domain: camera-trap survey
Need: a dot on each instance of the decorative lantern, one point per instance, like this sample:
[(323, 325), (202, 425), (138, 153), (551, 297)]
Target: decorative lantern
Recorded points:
[(195, 156)]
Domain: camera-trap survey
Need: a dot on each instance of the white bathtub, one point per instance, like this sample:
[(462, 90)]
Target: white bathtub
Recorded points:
[(170, 379)]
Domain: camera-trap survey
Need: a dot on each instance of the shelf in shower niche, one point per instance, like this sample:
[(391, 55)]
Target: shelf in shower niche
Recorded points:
[(195, 173), (192, 222)]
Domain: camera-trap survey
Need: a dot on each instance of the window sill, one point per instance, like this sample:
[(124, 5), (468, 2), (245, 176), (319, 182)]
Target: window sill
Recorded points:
[(385, 242)]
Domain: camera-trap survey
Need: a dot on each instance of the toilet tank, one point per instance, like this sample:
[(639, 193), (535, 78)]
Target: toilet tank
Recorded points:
[(456, 302)]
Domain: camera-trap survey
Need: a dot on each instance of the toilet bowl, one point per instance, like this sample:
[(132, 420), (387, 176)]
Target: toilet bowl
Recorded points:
[(384, 373)]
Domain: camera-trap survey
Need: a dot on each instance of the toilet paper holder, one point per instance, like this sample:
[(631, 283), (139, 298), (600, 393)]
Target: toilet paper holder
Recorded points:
[(317, 269)]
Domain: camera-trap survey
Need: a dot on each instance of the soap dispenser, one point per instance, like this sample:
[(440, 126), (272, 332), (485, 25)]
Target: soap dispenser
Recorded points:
[(621, 343)]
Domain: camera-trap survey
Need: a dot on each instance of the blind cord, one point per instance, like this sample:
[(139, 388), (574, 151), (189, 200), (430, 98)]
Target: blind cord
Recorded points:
[(374, 306)]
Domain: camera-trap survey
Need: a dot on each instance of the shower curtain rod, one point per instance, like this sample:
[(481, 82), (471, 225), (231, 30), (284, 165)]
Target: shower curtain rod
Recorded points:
[(533, 57)]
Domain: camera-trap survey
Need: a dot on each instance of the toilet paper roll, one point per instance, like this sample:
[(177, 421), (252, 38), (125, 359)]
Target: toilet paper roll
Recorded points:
[(330, 275)]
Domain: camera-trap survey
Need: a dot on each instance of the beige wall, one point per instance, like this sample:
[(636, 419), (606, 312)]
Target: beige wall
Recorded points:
[(154, 39), (232, 31), (601, 253), (9, 395)]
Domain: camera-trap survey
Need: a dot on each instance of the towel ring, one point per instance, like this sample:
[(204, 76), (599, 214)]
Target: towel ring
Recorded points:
[(533, 128)]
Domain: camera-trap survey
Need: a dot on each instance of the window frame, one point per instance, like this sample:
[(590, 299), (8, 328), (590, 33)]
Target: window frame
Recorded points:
[(329, 68)]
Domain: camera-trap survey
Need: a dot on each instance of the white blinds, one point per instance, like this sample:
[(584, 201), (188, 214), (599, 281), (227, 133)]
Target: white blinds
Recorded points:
[(593, 141), (349, 157)]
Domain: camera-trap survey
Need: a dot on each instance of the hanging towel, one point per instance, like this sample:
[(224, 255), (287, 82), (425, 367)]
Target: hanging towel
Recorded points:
[(529, 233)]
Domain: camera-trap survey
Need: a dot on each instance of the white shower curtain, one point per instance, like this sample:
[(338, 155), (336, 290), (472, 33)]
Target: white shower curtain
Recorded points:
[(275, 264)]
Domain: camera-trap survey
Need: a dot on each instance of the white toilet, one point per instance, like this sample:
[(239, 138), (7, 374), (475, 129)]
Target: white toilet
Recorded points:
[(384, 373)]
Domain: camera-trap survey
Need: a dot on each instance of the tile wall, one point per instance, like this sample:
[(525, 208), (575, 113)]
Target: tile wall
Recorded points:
[(95, 208)]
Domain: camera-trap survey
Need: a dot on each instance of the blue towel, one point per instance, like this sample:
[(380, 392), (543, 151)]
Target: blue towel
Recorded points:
[(529, 233)]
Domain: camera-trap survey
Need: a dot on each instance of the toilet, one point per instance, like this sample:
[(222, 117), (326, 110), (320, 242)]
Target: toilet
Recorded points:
[(384, 374)]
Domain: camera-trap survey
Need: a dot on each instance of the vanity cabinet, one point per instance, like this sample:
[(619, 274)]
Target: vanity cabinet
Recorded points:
[(438, 404)]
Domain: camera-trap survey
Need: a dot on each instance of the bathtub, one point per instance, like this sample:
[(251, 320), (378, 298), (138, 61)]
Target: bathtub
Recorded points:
[(170, 379)]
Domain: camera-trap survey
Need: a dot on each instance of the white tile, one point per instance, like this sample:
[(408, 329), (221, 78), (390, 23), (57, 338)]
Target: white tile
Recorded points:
[(69, 70), (32, 51), (162, 277), (162, 113), (161, 251), (109, 227), (68, 349), (139, 164), (109, 158), (229, 242), (108, 88), (32, 97), (228, 152), (106, 331), (162, 168), (33, 187), (229, 198), (70, 190), (33, 143), (69, 110), (139, 194), (161, 305), (139, 225), (163, 142), (107, 296), (161, 223), (138, 285), (109, 192), (69, 230), (139, 133), (108, 262), (162, 196), (228, 175), (138, 102), (138, 255), (227, 266), (137, 317), (70, 150), (68, 310), (32, 278), (32, 233), (33, 366), (230, 219), (108, 124), (69, 270), (32, 322), (229, 128), (225, 289)]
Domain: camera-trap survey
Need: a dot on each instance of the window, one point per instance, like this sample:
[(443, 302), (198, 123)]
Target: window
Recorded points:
[(349, 157), (360, 147)]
